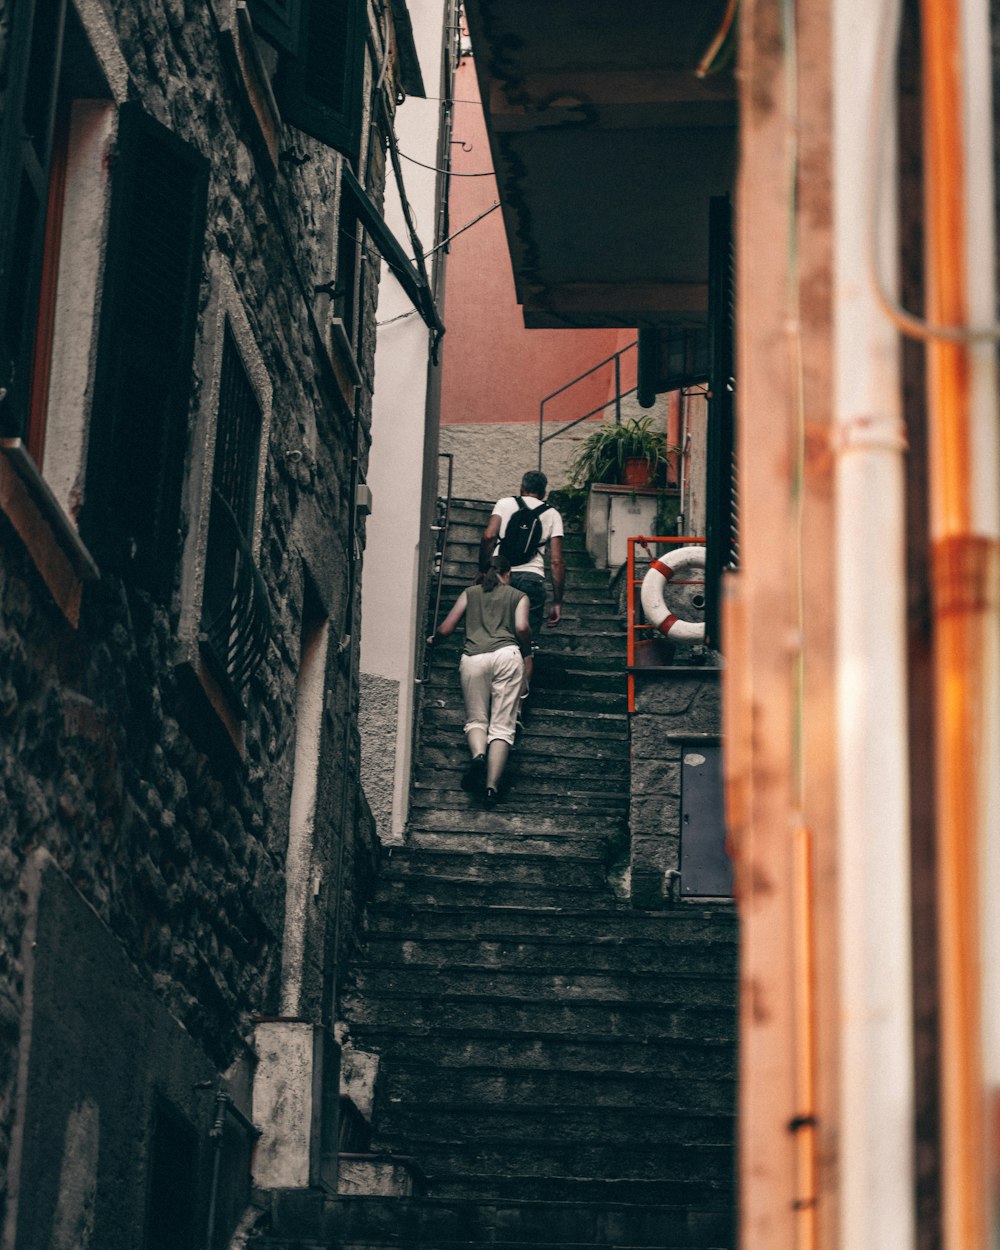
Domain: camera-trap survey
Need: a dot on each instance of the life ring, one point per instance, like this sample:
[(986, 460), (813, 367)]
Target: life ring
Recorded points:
[(657, 613)]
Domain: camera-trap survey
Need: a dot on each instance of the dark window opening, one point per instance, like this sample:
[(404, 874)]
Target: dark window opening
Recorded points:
[(348, 248), (173, 1182), (31, 105), (235, 619), (320, 82), (143, 388)]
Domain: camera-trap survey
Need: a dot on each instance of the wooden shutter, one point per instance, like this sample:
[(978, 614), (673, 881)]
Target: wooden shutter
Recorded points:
[(143, 386), (34, 51), (278, 22), (320, 87), (722, 526)]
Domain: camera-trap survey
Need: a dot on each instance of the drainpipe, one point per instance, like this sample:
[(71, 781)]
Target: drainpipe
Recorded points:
[(875, 1130), (965, 543)]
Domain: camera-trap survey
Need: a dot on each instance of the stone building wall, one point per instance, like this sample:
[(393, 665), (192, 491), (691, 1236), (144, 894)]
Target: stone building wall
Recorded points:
[(113, 759)]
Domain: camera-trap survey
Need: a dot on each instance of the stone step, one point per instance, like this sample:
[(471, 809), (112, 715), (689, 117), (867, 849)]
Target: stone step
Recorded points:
[(557, 777), (596, 1055), (443, 1224), (582, 867), (427, 889), (683, 925), (590, 1093), (514, 801), (685, 1020), (529, 989), (474, 818), (555, 845), (569, 1170), (569, 955)]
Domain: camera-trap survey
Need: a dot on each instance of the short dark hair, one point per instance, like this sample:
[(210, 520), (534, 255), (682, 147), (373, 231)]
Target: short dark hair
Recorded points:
[(534, 482)]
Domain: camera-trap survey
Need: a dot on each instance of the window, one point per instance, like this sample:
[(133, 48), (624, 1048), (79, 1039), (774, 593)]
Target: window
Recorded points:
[(143, 385), (64, 78), (320, 81), (225, 623), (29, 142)]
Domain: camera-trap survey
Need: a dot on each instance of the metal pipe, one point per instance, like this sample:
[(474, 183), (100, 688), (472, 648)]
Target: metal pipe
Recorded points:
[(965, 537), (876, 1112)]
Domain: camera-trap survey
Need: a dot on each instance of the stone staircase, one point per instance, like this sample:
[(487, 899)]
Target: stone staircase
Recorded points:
[(559, 1066)]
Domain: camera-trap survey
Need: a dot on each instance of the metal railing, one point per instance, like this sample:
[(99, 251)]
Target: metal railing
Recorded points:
[(634, 584), (616, 400), (440, 529)]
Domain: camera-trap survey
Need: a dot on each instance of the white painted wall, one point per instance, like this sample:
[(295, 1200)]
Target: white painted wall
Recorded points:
[(390, 612)]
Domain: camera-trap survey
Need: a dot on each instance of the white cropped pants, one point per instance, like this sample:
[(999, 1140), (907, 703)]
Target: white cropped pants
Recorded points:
[(491, 684)]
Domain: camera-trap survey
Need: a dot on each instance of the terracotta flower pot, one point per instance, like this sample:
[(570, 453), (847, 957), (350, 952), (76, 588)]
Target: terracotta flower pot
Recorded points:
[(637, 471)]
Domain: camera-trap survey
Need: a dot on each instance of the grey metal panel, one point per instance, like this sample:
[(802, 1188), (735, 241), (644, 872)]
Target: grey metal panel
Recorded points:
[(706, 869)]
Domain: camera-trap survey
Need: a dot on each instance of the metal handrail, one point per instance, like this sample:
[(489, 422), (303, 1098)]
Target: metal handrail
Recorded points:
[(633, 583), (617, 401), (439, 554)]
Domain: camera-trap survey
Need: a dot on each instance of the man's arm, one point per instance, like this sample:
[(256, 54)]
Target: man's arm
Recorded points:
[(558, 569), (522, 626), (488, 542)]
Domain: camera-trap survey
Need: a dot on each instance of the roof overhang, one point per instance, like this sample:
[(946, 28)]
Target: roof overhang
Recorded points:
[(607, 147)]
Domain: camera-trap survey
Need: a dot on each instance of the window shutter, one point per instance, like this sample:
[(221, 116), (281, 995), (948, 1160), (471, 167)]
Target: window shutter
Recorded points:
[(319, 88), (722, 536), (34, 49), (277, 21), (143, 385)]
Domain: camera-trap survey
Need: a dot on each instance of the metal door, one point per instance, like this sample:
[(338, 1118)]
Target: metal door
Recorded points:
[(706, 870)]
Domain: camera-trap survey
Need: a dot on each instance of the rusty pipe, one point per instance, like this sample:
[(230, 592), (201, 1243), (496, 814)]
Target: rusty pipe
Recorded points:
[(965, 539)]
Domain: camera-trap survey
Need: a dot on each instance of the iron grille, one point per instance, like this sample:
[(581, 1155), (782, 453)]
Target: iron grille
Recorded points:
[(235, 617)]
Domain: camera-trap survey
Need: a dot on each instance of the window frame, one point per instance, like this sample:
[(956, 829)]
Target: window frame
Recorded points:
[(40, 488)]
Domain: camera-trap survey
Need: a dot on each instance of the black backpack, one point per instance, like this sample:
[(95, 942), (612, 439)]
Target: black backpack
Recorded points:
[(523, 535)]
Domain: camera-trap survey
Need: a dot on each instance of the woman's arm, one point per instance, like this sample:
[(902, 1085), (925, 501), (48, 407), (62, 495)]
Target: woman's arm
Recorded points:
[(447, 626)]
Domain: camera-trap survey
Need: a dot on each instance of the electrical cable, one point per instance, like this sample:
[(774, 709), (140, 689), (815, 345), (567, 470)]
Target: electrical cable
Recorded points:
[(462, 229), (486, 173)]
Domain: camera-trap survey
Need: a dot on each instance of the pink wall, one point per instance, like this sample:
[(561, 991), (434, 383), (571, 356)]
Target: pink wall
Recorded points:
[(493, 369)]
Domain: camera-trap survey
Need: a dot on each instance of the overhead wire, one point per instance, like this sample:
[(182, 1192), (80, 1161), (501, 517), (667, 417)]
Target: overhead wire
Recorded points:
[(437, 169)]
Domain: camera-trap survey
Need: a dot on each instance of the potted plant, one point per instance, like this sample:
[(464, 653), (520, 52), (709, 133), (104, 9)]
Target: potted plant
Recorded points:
[(631, 453)]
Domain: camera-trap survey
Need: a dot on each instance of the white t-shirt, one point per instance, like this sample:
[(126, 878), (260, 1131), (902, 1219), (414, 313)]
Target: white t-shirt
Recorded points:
[(552, 527)]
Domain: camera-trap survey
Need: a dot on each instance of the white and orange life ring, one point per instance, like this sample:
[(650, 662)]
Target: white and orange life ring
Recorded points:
[(681, 559)]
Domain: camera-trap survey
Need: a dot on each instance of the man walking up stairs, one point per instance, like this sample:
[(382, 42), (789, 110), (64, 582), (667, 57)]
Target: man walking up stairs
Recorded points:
[(555, 1068)]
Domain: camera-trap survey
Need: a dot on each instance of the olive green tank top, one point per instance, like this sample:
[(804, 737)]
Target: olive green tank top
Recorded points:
[(489, 618)]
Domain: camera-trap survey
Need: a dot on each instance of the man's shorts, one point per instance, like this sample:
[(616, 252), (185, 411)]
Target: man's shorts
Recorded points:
[(534, 587)]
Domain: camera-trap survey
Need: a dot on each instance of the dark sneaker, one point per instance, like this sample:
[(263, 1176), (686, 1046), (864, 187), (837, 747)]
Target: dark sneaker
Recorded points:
[(474, 775), (491, 797)]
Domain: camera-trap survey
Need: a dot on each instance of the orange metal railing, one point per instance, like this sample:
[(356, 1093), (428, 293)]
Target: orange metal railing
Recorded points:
[(635, 626)]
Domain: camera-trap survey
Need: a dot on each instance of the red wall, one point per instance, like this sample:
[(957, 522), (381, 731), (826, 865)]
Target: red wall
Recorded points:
[(493, 369)]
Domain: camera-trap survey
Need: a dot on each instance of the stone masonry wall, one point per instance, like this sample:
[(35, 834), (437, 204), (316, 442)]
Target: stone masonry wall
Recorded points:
[(684, 701), (108, 761)]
